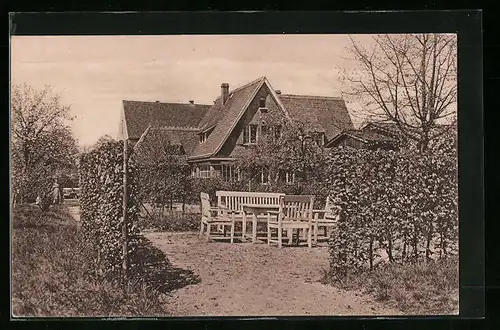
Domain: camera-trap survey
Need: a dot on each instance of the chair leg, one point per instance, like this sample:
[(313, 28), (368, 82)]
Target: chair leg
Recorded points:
[(268, 235), (254, 230), (309, 237), (244, 227), (280, 237), (315, 233), (208, 231)]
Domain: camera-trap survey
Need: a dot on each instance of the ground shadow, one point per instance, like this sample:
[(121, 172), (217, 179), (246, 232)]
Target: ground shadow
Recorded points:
[(151, 265)]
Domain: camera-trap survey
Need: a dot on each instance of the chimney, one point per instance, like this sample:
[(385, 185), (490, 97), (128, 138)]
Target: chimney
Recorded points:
[(224, 92), (191, 101), (278, 92)]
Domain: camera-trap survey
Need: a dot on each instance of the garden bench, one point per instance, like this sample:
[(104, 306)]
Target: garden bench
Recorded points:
[(295, 212), (241, 204), (328, 217), (215, 216)]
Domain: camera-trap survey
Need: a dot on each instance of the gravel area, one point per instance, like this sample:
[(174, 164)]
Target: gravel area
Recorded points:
[(245, 279)]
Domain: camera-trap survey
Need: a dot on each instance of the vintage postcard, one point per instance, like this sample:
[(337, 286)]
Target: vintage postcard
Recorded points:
[(234, 175)]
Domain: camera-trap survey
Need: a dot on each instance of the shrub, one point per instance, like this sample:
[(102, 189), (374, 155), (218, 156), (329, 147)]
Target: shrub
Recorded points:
[(173, 221), (101, 180), (400, 203), (52, 272)]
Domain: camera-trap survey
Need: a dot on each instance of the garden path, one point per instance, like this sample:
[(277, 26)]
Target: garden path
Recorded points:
[(256, 280)]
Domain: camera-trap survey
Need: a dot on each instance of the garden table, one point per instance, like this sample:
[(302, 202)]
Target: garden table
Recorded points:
[(256, 209)]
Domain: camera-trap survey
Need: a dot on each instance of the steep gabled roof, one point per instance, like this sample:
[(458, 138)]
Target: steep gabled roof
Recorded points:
[(361, 135), (138, 115), (323, 114), (226, 117), (390, 129), (185, 137)]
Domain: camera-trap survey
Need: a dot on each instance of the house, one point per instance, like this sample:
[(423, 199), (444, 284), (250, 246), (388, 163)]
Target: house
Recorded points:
[(212, 135), (373, 135)]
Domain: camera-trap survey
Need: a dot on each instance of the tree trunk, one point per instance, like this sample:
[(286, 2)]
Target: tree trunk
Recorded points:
[(403, 254), (371, 253), (415, 243), (428, 243), (389, 250)]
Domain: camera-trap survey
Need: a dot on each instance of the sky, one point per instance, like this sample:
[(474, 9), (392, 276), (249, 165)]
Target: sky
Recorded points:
[(93, 74)]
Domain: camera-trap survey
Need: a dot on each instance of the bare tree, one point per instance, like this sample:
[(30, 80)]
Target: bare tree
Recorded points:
[(42, 144), (409, 80)]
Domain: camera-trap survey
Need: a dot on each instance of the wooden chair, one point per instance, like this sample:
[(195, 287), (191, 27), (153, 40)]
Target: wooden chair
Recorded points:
[(233, 201), (215, 216), (295, 212), (325, 218)]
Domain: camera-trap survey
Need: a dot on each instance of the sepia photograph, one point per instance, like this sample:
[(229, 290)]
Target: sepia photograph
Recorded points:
[(234, 175)]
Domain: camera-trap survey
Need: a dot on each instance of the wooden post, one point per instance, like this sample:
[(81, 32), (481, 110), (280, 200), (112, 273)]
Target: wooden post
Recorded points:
[(124, 210)]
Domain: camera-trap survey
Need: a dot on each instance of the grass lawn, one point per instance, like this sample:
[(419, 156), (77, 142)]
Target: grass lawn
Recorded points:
[(51, 272), (425, 288)]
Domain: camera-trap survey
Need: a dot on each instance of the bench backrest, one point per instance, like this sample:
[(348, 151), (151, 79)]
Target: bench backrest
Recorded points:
[(234, 200), (296, 207), (205, 205)]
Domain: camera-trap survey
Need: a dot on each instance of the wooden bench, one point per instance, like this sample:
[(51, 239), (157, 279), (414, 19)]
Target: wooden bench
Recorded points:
[(234, 201), (328, 217)]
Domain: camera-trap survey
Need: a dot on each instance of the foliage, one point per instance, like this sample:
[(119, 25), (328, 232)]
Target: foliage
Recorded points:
[(402, 205), (42, 145), (101, 179), (409, 80), (295, 152), (163, 173), (416, 289), (52, 272)]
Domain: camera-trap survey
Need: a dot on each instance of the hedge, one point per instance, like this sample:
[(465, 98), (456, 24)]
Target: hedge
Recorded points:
[(101, 182), (400, 204)]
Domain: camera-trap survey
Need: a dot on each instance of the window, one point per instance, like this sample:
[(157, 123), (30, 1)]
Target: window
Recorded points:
[(204, 171), (277, 132), (272, 132), (203, 137), (228, 173), (320, 139), (250, 134), (265, 176), (262, 102), (285, 176)]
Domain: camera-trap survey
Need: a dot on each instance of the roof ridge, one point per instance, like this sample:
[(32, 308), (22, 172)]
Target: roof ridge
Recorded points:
[(246, 85), (177, 103), (176, 128), (337, 98)]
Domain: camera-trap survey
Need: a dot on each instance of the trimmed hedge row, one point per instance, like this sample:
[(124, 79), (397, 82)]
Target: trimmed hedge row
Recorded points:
[(400, 207), (101, 182)]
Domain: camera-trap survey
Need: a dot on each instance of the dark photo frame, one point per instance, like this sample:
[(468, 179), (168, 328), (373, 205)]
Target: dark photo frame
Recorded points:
[(466, 24)]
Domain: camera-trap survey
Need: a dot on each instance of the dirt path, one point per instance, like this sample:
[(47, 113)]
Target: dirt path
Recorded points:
[(256, 280)]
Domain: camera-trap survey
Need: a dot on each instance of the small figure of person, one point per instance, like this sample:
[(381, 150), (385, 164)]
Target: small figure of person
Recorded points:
[(56, 193), (38, 200)]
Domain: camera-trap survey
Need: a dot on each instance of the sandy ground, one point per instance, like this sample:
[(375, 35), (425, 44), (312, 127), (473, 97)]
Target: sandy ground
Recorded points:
[(245, 279)]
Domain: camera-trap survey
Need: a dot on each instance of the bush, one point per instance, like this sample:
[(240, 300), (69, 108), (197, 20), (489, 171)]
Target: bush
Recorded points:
[(173, 221), (101, 180), (402, 204), (52, 272)]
